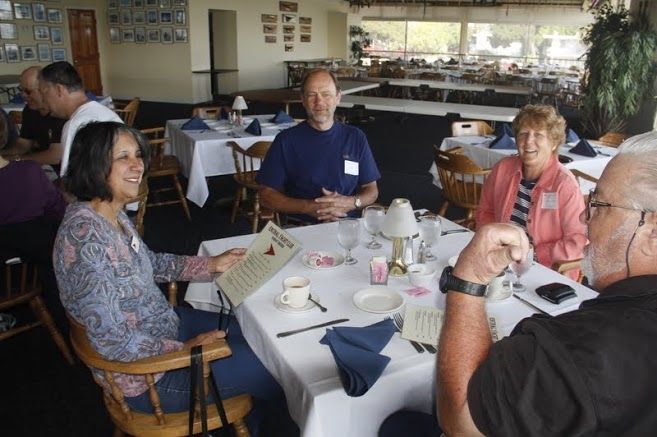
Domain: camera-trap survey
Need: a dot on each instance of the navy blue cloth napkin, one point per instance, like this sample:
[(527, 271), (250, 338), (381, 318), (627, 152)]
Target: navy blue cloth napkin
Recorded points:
[(504, 128), (584, 148), (503, 142), (571, 136), (356, 352), (282, 117), (194, 123), (18, 98), (91, 96), (254, 128)]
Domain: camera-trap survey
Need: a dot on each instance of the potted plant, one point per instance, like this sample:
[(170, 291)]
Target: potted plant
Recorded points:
[(360, 40), (620, 69)]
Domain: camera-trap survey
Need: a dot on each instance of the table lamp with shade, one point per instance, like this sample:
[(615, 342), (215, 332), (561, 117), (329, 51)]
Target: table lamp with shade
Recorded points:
[(239, 104), (399, 225)]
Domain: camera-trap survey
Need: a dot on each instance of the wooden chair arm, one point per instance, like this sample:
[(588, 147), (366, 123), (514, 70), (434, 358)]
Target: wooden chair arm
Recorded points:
[(565, 266), (153, 130), (121, 111)]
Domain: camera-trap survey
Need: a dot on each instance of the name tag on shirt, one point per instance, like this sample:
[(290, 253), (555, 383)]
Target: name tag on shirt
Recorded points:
[(549, 201), (350, 167), (135, 244)]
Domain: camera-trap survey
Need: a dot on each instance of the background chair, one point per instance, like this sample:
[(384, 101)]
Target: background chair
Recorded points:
[(128, 111), (21, 287), (246, 163), (613, 139), (142, 198), (579, 175), (472, 128), (207, 112), (164, 165), (564, 267), (461, 180)]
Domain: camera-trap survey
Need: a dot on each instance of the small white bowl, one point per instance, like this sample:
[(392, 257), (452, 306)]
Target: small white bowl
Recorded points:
[(421, 275)]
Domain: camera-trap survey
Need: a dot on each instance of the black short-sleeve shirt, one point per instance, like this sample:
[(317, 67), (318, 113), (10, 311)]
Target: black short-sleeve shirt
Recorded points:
[(45, 130)]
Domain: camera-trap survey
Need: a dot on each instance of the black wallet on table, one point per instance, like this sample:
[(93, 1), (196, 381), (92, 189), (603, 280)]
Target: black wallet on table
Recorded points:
[(556, 292)]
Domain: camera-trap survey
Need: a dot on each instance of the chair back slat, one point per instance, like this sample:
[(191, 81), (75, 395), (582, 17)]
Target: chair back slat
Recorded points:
[(206, 112), (474, 127)]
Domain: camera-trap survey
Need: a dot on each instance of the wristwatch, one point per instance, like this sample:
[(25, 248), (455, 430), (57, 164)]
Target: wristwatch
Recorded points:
[(357, 202), (450, 282)]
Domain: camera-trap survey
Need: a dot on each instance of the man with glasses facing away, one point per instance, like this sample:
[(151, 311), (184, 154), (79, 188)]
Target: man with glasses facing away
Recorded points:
[(585, 372), (319, 170)]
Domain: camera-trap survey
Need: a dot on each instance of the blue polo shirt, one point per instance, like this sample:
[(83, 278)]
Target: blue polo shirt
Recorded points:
[(302, 160)]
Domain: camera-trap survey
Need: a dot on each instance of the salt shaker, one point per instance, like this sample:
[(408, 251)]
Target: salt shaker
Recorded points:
[(421, 253)]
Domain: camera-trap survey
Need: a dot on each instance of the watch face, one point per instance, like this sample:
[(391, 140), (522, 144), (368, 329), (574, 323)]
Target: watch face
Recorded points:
[(357, 202), (442, 284)]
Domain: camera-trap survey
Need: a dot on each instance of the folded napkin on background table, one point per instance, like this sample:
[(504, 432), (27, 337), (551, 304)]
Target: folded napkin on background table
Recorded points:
[(254, 128), (90, 95), (502, 129), (584, 148), (18, 98), (571, 136), (356, 352), (503, 142), (194, 123), (282, 117)]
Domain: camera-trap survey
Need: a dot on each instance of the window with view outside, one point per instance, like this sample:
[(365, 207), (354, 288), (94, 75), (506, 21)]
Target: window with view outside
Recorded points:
[(432, 40), (496, 40), (388, 38), (560, 45)]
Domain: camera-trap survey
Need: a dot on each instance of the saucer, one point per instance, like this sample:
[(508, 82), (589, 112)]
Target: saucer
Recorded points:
[(378, 300), (288, 309), (322, 259)]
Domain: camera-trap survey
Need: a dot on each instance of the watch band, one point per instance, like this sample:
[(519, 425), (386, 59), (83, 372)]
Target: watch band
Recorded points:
[(450, 282), (357, 201)]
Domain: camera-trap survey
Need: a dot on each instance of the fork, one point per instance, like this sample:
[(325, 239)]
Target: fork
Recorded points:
[(415, 344), (399, 323)]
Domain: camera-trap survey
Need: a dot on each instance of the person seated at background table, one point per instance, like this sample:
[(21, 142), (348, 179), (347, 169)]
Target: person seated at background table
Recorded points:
[(584, 372), (10, 132), (319, 169), (106, 276), (62, 91), (40, 133), (536, 192)]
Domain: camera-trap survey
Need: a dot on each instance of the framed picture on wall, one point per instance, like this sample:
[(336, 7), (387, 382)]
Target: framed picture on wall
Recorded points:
[(115, 35), (166, 17), (112, 4), (56, 35), (2, 54), (28, 53), (167, 35), (288, 18), (139, 3), (138, 17), (128, 34), (39, 12), (54, 16), (151, 16), (5, 10), (305, 20), (165, 3), (153, 35), (113, 17), (126, 3), (180, 35), (268, 18), (269, 28), (180, 17), (41, 33), (23, 11), (11, 52), (58, 55), (44, 52), (305, 38), (140, 35), (288, 38), (288, 7), (269, 39), (288, 29), (305, 29), (151, 3), (126, 17), (8, 31), (289, 47), (179, 2)]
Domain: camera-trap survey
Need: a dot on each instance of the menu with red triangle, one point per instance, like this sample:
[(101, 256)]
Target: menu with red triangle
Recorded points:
[(269, 252)]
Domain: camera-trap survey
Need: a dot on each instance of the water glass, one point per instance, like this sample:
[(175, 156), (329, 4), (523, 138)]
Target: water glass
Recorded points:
[(373, 217), (348, 229), (520, 268), (430, 229)]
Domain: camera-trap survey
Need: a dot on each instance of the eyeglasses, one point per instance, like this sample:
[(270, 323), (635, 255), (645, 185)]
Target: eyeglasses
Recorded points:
[(592, 203)]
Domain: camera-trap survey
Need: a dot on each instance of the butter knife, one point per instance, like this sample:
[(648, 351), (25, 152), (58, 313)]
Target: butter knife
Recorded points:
[(321, 325), (531, 305)]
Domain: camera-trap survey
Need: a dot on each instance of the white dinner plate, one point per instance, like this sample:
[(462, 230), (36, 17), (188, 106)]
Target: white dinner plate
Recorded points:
[(322, 259), (379, 300), (288, 309)]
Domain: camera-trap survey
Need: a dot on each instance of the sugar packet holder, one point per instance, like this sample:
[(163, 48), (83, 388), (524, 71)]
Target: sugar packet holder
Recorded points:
[(379, 270)]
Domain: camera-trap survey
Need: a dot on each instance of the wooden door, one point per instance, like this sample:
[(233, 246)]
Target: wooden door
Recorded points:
[(84, 48)]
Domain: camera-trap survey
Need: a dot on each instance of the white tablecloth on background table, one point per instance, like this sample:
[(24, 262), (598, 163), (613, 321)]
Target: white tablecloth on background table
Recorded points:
[(476, 148), (204, 153), (9, 107), (306, 369)]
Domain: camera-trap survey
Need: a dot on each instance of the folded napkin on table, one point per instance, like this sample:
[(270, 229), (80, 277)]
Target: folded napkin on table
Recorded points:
[(356, 352), (254, 128), (584, 148), (91, 96), (571, 136), (502, 129), (282, 117), (503, 142), (194, 123), (18, 98)]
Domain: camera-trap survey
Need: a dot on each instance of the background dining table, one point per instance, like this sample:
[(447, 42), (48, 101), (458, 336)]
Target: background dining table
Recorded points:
[(306, 369)]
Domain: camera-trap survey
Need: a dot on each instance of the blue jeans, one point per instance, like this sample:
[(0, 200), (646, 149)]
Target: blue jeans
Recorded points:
[(242, 372)]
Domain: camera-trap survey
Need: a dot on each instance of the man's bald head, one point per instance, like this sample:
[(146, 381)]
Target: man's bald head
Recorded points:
[(29, 82)]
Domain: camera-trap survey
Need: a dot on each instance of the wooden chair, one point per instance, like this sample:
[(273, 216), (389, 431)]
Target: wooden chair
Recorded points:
[(158, 424), (564, 267), (476, 127), (22, 286), (579, 175), (462, 181), (207, 112), (246, 162), (142, 198), (613, 139), (128, 112), (164, 165)]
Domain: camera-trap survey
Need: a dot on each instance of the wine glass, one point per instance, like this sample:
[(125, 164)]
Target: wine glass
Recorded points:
[(348, 237), (520, 268), (374, 216), (430, 229)]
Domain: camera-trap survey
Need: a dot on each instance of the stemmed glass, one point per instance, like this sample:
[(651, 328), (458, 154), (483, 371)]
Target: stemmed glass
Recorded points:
[(374, 216), (430, 229), (348, 237), (520, 268)]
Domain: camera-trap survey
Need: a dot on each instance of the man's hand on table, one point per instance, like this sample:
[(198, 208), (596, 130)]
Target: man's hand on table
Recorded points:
[(224, 261), (333, 206)]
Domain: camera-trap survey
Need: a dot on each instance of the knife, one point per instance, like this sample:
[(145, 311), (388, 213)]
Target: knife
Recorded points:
[(529, 304), (296, 331)]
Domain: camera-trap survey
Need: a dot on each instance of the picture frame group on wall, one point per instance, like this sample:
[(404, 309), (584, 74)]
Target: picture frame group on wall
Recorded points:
[(288, 19), (146, 15)]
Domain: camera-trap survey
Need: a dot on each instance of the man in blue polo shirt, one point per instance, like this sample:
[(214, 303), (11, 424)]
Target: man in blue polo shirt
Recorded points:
[(319, 170)]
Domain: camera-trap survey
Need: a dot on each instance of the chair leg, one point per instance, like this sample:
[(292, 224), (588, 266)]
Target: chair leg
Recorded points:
[(117, 432), (181, 196), (240, 428), (256, 211), (41, 312), (236, 204), (443, 209)]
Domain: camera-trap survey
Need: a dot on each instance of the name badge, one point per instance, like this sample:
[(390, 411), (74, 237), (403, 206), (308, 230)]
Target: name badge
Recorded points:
[(351, 167), (135, 244), (549, 201)]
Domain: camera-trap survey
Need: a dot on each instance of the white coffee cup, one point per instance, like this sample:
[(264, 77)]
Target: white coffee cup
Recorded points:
[(496, 288), (297, 291)]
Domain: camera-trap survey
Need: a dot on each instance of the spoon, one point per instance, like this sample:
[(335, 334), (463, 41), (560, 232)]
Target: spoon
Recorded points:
[(317, 303)]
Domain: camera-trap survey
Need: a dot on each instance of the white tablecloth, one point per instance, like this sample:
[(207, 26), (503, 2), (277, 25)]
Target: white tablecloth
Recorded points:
[(9, 107), (306, 369), (476, 148), (204, 153)]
